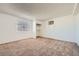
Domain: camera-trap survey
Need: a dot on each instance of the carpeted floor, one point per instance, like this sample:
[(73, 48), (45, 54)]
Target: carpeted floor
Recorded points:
[(39, 47)]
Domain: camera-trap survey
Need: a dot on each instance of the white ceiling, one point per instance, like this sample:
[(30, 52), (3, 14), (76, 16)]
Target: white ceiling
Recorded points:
[(41, 11)]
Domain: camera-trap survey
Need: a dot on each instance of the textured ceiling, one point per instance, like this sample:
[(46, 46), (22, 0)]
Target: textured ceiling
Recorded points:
[(41, 11)]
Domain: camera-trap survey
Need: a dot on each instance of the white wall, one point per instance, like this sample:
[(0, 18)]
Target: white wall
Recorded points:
[(62, 29), (77, 28), (8, 29)]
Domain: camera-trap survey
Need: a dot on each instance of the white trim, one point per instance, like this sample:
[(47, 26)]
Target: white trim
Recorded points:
[(74, 8)]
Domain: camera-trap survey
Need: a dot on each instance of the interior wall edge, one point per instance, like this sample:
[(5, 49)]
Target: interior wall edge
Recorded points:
[(59, 38)]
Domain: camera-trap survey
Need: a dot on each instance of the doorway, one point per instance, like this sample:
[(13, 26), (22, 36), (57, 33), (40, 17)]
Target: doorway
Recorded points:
[(38, 30)]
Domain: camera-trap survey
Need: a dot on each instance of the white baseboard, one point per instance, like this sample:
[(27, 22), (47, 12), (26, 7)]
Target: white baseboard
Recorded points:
[(57, 38)]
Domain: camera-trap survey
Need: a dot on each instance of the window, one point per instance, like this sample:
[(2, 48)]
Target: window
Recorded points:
[(22, 26)]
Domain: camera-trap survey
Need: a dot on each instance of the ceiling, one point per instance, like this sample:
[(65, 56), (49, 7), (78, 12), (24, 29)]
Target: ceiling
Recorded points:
[(41, 11)]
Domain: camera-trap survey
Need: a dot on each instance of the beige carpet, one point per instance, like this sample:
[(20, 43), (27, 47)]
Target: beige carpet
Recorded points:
[(39, 47)]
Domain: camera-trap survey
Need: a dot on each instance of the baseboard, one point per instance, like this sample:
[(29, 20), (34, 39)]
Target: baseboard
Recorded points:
[(15, 40), (55, 39)]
